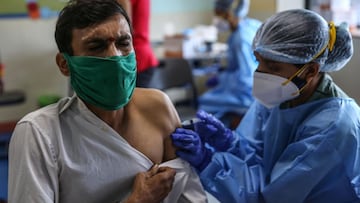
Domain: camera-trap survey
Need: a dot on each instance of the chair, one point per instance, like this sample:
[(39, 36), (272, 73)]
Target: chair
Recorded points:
[(4, 147), (174, 77)]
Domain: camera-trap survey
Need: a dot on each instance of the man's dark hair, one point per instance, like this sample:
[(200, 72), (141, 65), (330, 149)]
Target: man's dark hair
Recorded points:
[(79, 14)]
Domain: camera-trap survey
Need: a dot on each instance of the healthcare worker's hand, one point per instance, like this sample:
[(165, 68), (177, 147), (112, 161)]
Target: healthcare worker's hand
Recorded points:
[(213, 131), (190, 148), (152, 186), (212, 81)]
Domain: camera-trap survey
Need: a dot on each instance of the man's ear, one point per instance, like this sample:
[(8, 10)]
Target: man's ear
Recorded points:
[(312, 71), (62, 64)]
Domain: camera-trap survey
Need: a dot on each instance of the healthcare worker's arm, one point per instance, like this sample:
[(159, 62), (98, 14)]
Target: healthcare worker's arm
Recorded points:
[(229, 177), (323, 160), (306, 171)]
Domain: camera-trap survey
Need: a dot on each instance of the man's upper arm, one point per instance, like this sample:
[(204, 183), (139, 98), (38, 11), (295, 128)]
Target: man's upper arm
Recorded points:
[(32, 170), (171, 122)]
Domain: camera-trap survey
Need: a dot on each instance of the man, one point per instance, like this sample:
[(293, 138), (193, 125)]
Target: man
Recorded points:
[(97, 145)]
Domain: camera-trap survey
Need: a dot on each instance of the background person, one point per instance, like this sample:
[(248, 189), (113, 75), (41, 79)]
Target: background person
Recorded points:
[(299, 142), (139, 12), (90, 147), (231, 95)]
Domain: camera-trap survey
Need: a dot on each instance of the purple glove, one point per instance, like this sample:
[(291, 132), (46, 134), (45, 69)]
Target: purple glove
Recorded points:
[(212, 81), (213, 131), (191, 148)]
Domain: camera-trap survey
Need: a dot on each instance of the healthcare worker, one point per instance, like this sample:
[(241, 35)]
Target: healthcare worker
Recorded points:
[(299, 141), (231, 96)]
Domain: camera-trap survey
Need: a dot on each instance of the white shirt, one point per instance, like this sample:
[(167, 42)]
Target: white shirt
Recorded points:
[(64, 153)]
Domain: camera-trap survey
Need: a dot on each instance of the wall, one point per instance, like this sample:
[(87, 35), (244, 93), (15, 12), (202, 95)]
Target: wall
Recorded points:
[(348, 77), (262, 9), (28, 51), (286, 4), (181, 14)]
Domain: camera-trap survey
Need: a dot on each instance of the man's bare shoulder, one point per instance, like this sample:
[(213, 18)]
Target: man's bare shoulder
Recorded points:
[(147, 97), (153, 102), (156, 109)]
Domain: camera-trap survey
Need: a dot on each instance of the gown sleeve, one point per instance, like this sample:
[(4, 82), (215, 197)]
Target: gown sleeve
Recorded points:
[(236, 175), (317, 165)]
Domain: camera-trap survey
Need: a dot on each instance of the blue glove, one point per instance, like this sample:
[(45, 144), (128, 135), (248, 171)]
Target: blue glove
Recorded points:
[(191, 149), (213, 131), (212, 81)]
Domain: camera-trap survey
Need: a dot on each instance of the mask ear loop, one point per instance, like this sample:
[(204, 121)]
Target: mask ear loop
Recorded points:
[(301, 70), (330, 46), (297, 73)]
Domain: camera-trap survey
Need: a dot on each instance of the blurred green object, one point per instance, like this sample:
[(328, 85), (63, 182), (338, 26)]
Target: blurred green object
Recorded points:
[(45, 100)]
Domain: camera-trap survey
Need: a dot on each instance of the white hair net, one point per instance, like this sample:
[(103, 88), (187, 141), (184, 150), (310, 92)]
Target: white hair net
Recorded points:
[(297, 36), (241, 10), (342, 52)]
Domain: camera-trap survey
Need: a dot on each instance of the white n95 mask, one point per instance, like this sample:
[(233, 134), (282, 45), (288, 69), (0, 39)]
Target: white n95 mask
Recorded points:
[(271, 90), (221, 24)]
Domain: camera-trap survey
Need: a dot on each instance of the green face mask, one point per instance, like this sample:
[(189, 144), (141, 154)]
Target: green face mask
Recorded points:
[(104, 82)]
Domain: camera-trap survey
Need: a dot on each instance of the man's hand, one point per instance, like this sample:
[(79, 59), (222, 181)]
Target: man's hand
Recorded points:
[(152, 186)]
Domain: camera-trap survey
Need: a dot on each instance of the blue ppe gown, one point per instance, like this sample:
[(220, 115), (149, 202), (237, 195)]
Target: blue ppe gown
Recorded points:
[(309, 153), (233, 91)]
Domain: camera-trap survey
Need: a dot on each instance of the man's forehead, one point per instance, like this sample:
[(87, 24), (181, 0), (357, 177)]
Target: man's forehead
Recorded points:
[(112, 28)]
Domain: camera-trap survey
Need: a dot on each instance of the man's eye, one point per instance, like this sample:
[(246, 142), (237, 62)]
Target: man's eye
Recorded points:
[(123, 44), (96, 47)]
